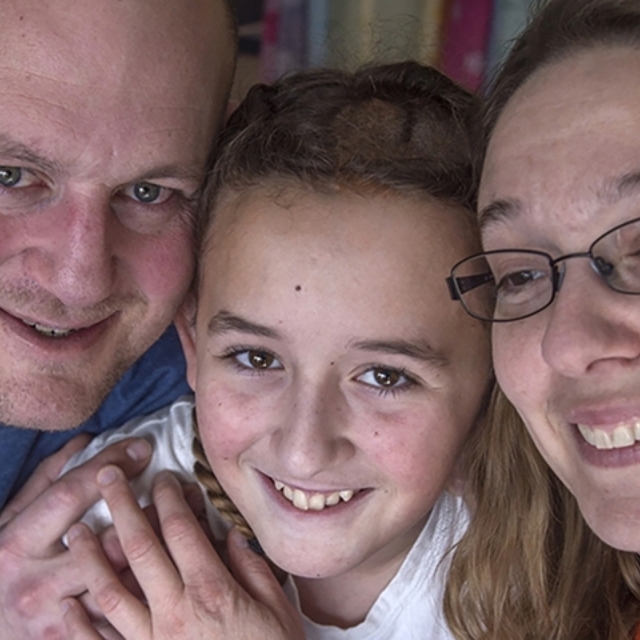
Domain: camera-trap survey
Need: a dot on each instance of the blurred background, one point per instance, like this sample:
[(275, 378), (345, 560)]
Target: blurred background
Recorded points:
[(466, 39)]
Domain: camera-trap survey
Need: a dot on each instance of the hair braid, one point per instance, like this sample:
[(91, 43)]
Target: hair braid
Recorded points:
[(221, 501), (216, 494)]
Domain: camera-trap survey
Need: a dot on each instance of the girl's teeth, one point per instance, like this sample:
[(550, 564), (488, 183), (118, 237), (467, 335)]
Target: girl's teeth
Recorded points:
[(300, 500), (315, 501)]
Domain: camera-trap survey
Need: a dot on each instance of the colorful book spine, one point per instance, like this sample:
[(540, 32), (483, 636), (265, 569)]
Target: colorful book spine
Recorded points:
[(431, 25), (284, 38), (269, 49), (509, 18), (317, 32), (465, 41)]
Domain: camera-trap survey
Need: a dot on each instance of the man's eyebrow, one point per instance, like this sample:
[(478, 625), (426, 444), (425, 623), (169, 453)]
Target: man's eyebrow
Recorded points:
[(223, 322), (176, 171), (10, 148), (420, 350), (497, 212)]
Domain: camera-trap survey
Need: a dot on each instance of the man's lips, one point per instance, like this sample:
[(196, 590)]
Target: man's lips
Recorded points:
[(49, 335)]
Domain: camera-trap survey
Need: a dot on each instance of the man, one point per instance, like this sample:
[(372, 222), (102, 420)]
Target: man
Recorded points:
[(107, 115), (108, 110)]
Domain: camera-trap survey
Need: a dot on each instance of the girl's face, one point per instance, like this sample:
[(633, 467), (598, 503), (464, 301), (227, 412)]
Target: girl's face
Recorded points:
[(335, 381), (563, 167)]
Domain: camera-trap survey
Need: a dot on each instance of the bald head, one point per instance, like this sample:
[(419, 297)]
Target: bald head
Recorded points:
[(137, 46), (108, 112)]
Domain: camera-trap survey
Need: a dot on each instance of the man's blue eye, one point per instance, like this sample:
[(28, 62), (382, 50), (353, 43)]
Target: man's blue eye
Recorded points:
[(10, 176), (146, 192)]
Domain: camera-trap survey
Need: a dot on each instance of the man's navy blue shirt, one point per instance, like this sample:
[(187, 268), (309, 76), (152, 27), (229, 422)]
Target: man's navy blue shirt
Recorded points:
[(154, 381)]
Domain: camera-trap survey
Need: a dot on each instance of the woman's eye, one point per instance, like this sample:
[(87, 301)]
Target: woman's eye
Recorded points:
[(383, 378), (261, 360), (148, 193), (517, 280)]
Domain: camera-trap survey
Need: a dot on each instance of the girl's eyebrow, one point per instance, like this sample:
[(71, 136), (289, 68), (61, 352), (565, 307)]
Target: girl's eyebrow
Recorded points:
[(224, 322), (420, 350)]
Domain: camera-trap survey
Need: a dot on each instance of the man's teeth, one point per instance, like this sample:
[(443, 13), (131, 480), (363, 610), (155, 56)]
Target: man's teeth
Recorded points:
[(624, 435), (50, 332), (312, 501)]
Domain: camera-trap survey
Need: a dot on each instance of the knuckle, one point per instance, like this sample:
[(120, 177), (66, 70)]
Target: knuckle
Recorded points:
[(212, 598), (108, 597), (138, 546), (176, 527), (65, 494), (25, 599)]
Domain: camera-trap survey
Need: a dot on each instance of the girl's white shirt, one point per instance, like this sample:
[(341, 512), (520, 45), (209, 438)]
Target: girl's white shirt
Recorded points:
[(409, 608)]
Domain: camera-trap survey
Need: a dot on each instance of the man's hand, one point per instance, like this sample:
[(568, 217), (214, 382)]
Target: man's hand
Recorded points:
[(189, 593), (37, 571)]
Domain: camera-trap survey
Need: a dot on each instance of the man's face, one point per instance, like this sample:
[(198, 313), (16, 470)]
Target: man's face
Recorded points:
[(107, 112)]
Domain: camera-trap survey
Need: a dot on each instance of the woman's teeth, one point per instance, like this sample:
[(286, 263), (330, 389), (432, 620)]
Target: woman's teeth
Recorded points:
[(312, 501), (624, 435)]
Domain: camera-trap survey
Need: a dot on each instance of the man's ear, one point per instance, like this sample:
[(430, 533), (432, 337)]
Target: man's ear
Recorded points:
[(185, 322)]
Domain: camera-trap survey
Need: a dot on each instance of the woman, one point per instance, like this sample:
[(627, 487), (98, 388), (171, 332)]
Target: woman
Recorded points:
[(560, 215)]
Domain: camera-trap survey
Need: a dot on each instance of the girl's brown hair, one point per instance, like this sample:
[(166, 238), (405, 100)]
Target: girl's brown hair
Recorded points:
[(401, 127), (529, 567)]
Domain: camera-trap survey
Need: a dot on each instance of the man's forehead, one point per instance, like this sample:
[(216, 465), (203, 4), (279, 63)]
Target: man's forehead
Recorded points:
[(167, 27)]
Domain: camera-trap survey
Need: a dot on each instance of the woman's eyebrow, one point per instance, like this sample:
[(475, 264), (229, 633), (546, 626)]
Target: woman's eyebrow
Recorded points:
[(420, 350), (497, 212), (626, 186), (223, 322)]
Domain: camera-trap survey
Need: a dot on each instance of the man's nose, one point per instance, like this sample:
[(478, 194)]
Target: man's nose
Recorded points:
[(72, 252)]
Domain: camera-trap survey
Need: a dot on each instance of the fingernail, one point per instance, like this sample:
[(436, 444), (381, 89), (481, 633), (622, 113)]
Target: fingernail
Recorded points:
[(166, 476), (107, 475), (139, 450), (236, 538), (193, 496), (74, 532), (66, 605)]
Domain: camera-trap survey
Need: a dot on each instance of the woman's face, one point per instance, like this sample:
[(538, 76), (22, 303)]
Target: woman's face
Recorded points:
[(563, 167), (335, 381)]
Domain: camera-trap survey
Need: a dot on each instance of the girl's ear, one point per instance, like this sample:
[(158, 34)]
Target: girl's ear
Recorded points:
[(185, 322)]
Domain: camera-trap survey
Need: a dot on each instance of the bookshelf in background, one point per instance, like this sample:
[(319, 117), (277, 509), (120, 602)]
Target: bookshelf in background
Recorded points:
[(464, 38)]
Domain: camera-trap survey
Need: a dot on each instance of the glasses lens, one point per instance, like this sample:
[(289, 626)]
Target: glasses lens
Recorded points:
[(475, 286), (505, 285), (616, 257)]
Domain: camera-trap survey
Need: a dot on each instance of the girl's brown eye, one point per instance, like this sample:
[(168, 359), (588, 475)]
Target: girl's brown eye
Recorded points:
[(386, 377), (260, 359)]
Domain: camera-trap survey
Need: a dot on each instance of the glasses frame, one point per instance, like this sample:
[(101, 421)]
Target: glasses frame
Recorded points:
[(598, 264)]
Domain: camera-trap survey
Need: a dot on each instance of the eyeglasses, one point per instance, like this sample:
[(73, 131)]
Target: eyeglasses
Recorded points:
[(512, 284)]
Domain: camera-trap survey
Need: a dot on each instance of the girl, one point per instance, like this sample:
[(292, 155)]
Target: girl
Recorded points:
[(335, 383)]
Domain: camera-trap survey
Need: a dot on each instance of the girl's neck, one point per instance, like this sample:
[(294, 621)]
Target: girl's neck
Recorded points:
[(345, 600)]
